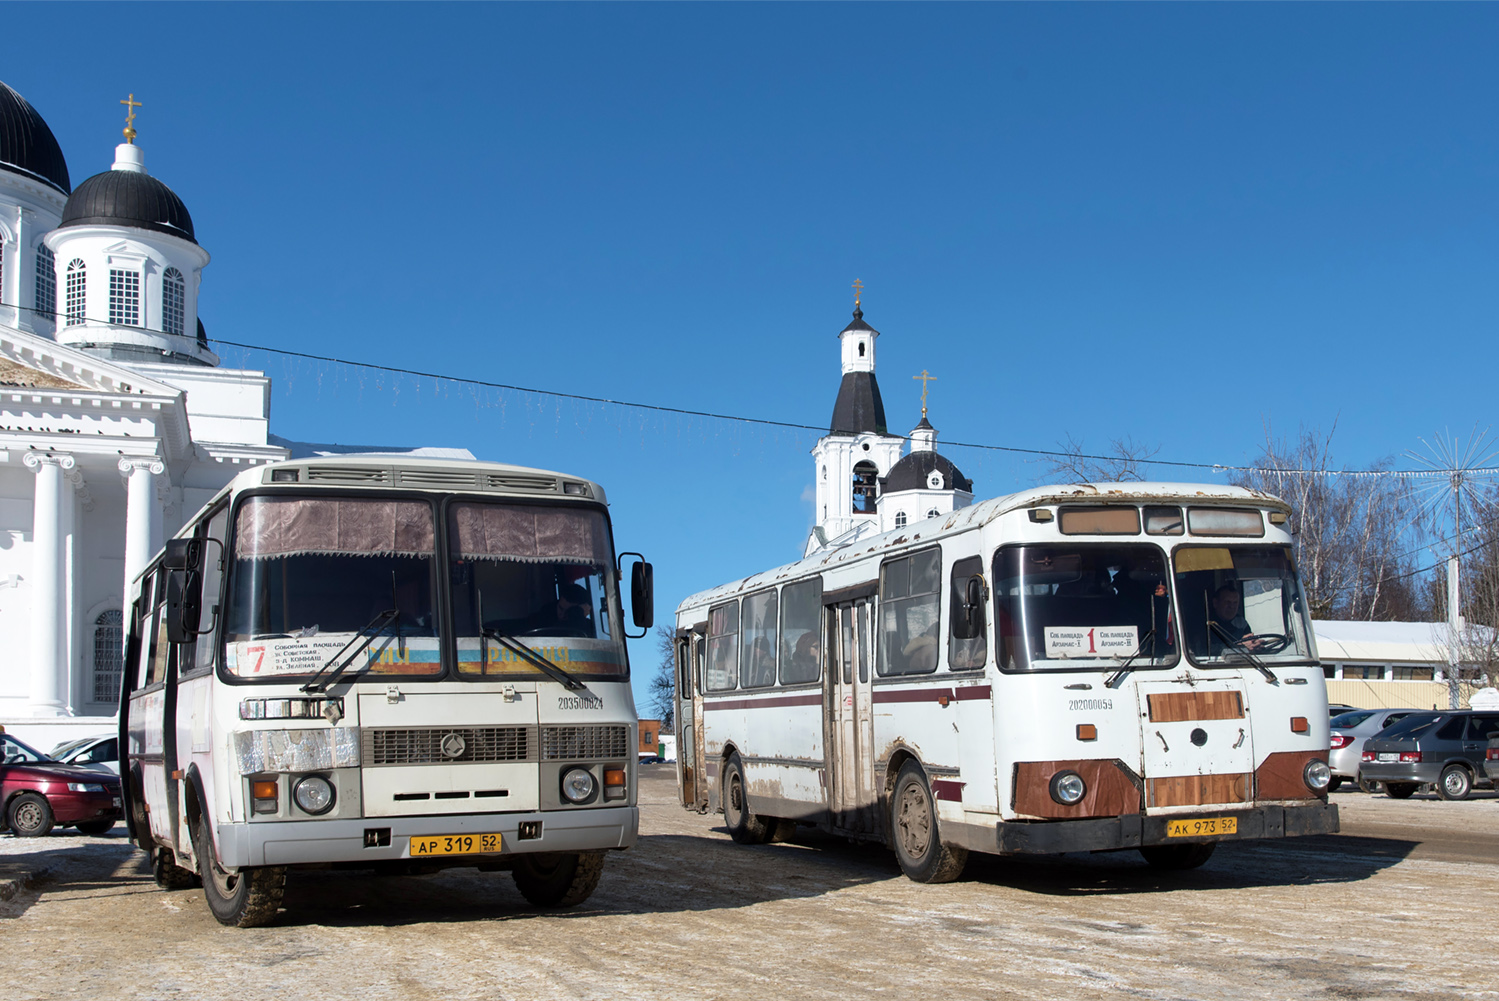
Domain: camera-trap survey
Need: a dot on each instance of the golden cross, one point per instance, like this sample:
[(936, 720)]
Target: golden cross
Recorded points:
[(131, 104), (858, 288), (924, 380)]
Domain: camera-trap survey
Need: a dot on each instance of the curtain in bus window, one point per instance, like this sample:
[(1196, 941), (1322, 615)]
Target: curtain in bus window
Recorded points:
[(530, 533), (269, 527), (910, 606), (965, 655), (757, 664), (801, 613), (723, 647)]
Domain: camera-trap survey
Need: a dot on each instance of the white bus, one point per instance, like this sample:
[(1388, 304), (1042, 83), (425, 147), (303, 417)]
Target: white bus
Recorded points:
[(1082, 668), (382, 662)]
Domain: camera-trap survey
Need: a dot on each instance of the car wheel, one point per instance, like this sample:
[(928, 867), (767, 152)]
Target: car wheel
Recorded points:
[(94, 826), (558, 879), (915, 833), (1455, 782), (1178, 856), (1334, 782), (168, 874), (1401, 790), (745, 826), (245, 899), (30, 816)]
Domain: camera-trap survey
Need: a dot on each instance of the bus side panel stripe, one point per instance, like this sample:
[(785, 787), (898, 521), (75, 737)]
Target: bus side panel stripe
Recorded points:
[(813, 699)]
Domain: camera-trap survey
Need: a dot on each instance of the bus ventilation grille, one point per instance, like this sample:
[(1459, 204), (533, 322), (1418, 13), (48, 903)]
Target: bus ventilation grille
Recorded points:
[(444, 478), (571, 743), (433, 746), (347, 474), (520, 481)]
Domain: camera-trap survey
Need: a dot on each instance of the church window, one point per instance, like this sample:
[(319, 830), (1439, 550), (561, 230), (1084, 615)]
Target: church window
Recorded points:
[(933, 513), (108, 658), (900, 519), (824, 472), (865, 488), (173, 301), (46, 283), (124, 297), (77, 284)]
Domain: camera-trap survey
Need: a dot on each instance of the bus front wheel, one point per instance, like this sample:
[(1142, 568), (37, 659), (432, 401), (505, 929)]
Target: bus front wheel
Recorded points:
[(245, 899), (557, 879), (918, 843), (745, 826)]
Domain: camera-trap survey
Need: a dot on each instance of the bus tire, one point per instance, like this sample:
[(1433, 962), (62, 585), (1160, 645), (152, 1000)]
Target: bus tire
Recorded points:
[(245, 899), (1401, 790), (1179, 857), (914, 832), (745, 826), (557, 879), (168, 874)]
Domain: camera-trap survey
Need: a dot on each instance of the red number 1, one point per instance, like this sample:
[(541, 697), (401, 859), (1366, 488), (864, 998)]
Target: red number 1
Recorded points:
[(1091, 648)]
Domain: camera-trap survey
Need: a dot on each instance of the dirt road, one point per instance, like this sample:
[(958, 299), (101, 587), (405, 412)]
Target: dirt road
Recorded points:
[(1400, 906)]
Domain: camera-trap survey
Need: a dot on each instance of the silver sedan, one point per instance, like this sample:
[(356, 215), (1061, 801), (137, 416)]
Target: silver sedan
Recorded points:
[(1348, 733)]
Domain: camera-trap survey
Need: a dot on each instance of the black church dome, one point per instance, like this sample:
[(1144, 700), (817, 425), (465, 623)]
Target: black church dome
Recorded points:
[(911, 473), (27, 145), (128, 198)]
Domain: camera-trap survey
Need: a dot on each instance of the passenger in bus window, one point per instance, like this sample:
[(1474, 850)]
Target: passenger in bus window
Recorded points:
[(1228, 627), (921, 651), (569, 615)]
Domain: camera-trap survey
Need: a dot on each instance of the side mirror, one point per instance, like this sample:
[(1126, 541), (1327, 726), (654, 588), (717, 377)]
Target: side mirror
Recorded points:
[(183, 554), (643, 594), (184, 604)]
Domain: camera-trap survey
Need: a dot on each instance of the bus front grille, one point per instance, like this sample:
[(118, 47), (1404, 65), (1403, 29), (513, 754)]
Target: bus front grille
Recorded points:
[(443, 745), (559, 743)]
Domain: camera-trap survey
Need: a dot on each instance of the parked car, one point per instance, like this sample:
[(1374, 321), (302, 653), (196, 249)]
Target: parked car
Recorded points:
[(38, 793), (1348, 734), (1443, 748), (1336, 709), (100, 753)]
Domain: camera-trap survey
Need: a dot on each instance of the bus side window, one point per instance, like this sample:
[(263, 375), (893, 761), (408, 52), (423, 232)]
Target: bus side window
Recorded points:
[(145, 628), (801, 615), (964, 655), (910, 607), (723, 647), (160, 646), (213, 581), (757, 659)]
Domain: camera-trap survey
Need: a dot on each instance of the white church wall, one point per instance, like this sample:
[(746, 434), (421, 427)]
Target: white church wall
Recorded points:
[(15, 585), (230, 406)]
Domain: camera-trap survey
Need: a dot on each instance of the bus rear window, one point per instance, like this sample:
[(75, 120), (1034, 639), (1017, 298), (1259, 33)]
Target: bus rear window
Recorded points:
[(1100, 521), (1245, 522)]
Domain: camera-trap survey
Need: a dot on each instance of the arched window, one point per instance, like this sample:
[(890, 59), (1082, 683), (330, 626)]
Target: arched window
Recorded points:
[(108, 635), (125, 297), (865, 488), (933, 513), (46, 283), (173, 301), (77, 285), (900, 519)]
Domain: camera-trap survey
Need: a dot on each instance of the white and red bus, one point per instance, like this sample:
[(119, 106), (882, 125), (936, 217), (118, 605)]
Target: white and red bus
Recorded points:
[(382, 662), (1081, 668)]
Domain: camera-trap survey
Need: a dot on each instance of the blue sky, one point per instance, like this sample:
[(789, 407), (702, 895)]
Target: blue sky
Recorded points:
[(1175, 223)]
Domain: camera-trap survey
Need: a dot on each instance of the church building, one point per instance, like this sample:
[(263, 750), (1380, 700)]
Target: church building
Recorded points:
[(864, 485), (117, 421)]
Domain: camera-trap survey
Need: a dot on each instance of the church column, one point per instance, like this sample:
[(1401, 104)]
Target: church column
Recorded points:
[(142, 514), (48, 611)]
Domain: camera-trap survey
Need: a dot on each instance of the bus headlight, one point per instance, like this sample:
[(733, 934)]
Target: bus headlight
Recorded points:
[(1317, 775), (578, 785), (1068, 788), (314, 794)]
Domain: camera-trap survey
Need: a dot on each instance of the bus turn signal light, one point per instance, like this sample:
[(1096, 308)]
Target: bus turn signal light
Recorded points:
[(614, 783), (265, 790), (1087, 731), (1299, 724)]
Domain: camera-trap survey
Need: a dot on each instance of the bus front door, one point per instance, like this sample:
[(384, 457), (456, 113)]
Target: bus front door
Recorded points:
[(689, 785), (849, 736)]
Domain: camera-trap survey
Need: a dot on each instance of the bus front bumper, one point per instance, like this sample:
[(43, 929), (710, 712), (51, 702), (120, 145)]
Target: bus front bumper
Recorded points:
[(385, 839), (1135, 830)]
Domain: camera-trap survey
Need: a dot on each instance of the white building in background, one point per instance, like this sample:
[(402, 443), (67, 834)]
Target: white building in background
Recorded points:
[(116, 420), (864, 485)]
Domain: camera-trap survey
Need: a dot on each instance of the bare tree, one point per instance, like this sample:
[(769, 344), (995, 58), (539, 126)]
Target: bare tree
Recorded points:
[(1124, 461), (1478, 636), (662, 698), (1356, 536)]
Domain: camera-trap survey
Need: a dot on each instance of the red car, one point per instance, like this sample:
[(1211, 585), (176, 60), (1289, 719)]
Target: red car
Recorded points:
[(38, 793)]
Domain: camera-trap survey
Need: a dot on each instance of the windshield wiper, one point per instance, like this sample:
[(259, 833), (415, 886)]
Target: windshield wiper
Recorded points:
[(1239, 646), (375, 627), (537, 660), (1125, 667)]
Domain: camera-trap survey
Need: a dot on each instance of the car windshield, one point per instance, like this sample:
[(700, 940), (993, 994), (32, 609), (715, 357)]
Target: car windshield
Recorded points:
[(1241, 602), (1082, 606), (1348, 720), (17, 753), (536, 577), (1411, 726), (313, 576)]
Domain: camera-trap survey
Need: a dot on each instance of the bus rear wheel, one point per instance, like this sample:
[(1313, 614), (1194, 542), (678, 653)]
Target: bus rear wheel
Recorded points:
[(557, 879), (918, 842), (1178, 856), (745, 826), (245, 899)]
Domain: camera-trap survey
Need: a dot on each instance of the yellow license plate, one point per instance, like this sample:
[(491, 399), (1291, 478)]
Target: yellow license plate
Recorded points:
[(1200, 827), (455, 844)]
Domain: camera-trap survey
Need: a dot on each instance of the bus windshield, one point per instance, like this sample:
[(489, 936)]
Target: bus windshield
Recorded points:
[(314, 575), (533, 575), (1241, 602), (1083, 606)]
